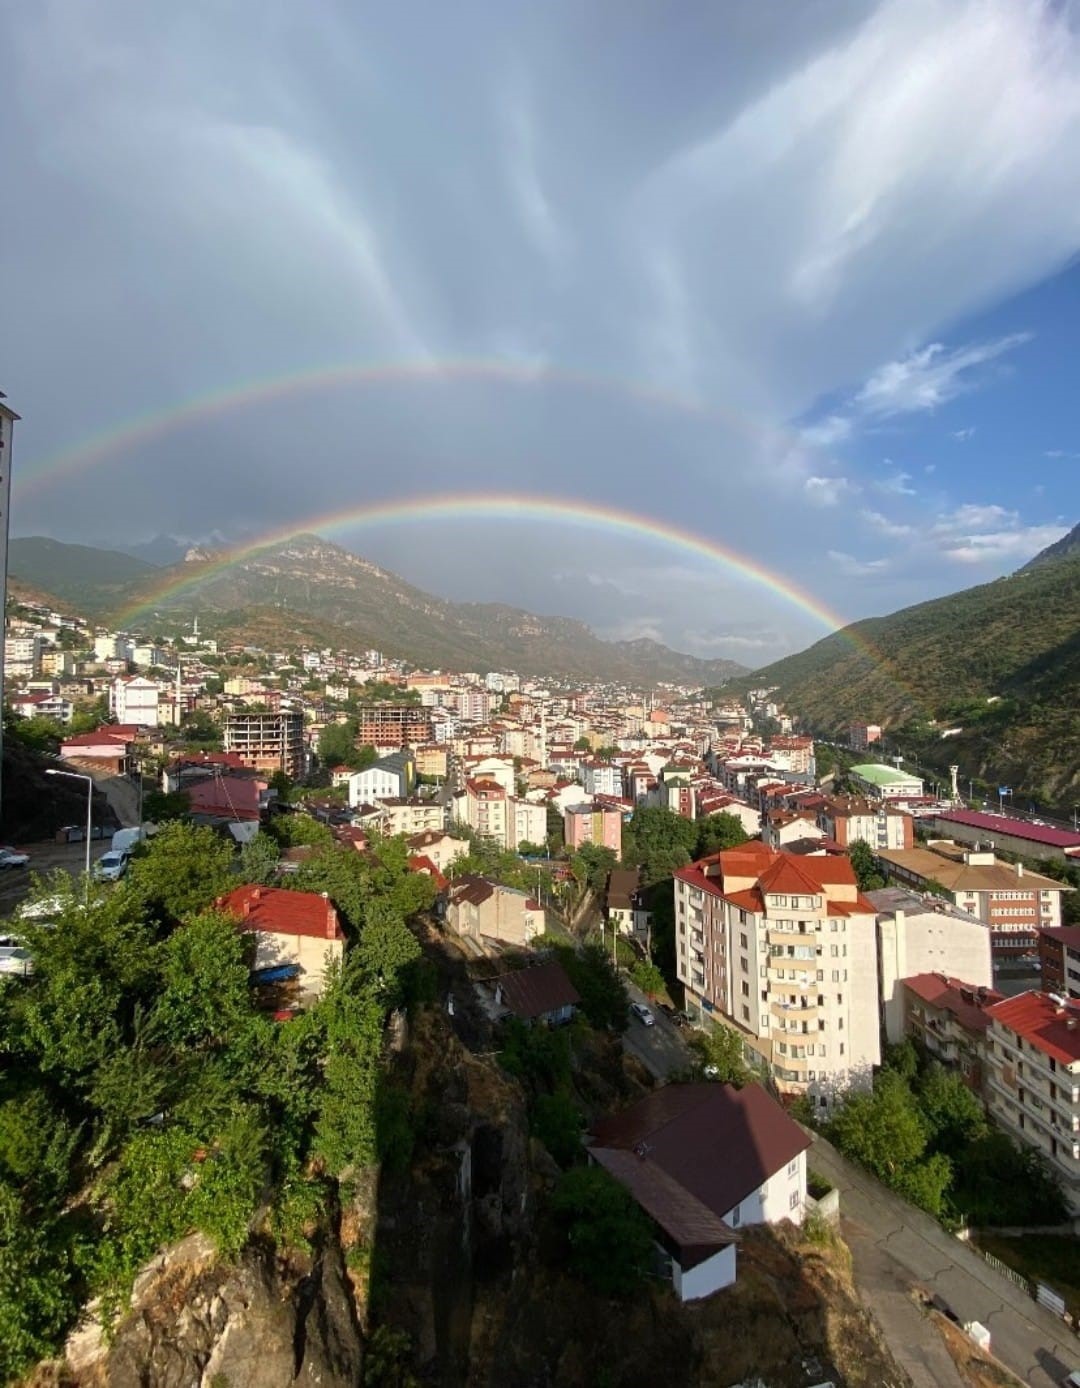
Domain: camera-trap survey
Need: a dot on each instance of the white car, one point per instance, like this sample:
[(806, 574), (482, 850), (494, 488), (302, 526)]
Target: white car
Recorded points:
[(642, 1013), (14, 956), (10, 859), (111, 866)]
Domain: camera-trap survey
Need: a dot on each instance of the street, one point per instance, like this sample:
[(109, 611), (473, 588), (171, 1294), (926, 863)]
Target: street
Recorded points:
[(660, 1048), (44, 857), (896, 1247)]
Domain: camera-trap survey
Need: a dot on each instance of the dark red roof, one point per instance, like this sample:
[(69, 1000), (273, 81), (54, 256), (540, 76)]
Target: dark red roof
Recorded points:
[(1052, 1027), (537, 990), (1069, 935), (967, 1002), (716, 1142), (281, 912), (1018, 828), (224, 797)]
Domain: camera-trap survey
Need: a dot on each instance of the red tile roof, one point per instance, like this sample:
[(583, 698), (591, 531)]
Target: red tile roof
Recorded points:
[(968, 1004), (280, 912), (539, 989), (1052, 1028), (224, 797), (419, 863), (1018, 828)]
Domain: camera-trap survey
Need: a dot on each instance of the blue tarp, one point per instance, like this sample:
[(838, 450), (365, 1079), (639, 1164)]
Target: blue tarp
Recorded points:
[(278, 974)]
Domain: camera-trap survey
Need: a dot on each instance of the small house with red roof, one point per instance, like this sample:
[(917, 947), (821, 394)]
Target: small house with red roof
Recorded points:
[(295, 931)]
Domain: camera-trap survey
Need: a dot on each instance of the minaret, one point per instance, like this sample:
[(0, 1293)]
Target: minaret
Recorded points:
[(195, 628)]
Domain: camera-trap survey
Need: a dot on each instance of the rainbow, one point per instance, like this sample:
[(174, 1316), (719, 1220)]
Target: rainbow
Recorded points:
[(147, 428), (511, 506)]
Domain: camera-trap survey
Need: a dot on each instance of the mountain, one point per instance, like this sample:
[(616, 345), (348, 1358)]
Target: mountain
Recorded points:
[(1068, 547), (309, 588), (78, 574), (1000, 661)]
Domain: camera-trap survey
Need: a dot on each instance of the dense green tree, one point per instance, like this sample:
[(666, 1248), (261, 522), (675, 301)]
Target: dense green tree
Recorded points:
[(385, 949), (882, 1129), (604, 999), (204, 981), (37, 1286), (591, 865), (337, 746), (36, 1146), (647, 977), (719, 831), (200, 731), (39, 734), (259, 859), (556, 1121), (955, 1116), (345, 1129), (721, 1055), (300, 831), (659, 842), (181, 870), (867, 876), (607, 1240), (162, 807)]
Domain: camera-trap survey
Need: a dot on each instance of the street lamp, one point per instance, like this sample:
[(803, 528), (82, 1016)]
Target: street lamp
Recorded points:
[(78, 776)]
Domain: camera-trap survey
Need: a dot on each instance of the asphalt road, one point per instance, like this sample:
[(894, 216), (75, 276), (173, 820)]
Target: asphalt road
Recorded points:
[(15, 883), (896, 1247), (660, 1048)]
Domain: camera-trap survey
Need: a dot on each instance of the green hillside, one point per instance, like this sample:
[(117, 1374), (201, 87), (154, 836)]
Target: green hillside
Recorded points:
[(934, 666), (80, 574)]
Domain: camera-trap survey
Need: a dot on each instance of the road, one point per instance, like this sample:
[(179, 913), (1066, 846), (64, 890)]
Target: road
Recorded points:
[(896, 1246), (15, 883), (660, 1048)]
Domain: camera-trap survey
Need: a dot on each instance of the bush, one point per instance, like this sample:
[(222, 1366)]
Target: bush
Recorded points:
[(557, 1123), (607, 1240)]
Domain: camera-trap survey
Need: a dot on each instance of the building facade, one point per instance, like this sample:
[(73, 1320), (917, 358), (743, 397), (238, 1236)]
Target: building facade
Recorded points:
[(784, 948), (593, 824), (394, 725), (1059, 960), (876, 822), (885, 782), (268, 741)]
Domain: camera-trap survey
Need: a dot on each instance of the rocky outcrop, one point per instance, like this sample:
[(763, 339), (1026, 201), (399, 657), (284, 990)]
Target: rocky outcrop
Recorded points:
[(195, 1323)]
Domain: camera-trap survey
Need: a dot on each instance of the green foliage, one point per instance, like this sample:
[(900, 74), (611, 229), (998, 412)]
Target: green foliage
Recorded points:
[(181, 870), (592, 864), (537, 1056), (199, 730), (385, 949), (259, 859), (345, 1129), (604, 999), (388, 1354), (36, 1146), (607, 1240), (903, 1058), (230, 1181), (297, 1210), (658, 841), (955, 1116), (721, 1055), (648, 978), (394, 1132), (555, 1120), (881, 1129), (162, 807), (719, 831), (37, 734), (204, 972), (300, 831), (337, 747), (867, 876), (38, 1298)]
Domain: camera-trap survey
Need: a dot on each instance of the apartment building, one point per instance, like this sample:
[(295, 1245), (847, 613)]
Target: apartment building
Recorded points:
[(135, 700), (410, 816), (794, 754), (847, 819), (862, 736), (22, 655), (484, 806), (600, 824), (1014, 902), (602, 777), (1033, 1089), (1059, 960), (783, 827), (949, 1018), (391, 777), (784, 948), (394, 725), (924, 935), (268, 741)]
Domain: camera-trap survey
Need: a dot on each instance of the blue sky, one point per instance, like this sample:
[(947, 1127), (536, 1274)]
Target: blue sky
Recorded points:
[(846, 244)]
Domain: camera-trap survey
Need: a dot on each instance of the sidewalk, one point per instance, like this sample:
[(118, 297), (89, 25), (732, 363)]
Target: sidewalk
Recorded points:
[(895, 1247)]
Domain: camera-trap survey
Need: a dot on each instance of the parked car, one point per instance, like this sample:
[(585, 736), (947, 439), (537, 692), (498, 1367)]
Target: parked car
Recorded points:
[(642, 1013), (10, 859), (110, 867), (14, 956)]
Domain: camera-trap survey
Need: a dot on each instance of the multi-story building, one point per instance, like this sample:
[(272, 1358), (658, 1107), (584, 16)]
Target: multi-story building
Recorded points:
[(411, 816), (924, 935), (1009, 835), (391, 777), (783, 827), (268, 741), (1033, 1090), (602, 777), (793, 753), (784, 948), (527, 822), (22, 655), (949, 1019), (135, 700), (862, 736), (877, 823), (1013, 901), (885, 782), (432, 760), (484, 806), (394, 725), (600, 824), (1059, 960)]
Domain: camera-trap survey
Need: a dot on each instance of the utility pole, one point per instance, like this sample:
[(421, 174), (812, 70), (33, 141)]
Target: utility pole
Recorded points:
[(7, 429)]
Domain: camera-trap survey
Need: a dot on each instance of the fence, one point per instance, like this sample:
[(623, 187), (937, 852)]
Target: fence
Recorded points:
[(1038, 1291)]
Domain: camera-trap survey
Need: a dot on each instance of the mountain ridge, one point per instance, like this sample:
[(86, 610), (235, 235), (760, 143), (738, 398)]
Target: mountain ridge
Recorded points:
[(356, 601)]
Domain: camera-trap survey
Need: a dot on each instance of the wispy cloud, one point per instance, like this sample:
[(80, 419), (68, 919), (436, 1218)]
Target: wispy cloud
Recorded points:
[(827, 491), (977, 533), (962, 435), (931, 376), (1058, 453), (856, 568), (896, 530), (827, 432), (895, 484), (544, 229)]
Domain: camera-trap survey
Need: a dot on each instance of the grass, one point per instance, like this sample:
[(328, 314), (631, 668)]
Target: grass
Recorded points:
[(1050, 1258)]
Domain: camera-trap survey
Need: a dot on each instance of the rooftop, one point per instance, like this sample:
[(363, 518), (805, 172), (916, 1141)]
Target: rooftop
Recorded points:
[(536, 990), (957, 875), (879, 775), (1017, 828), (1050, 1026), (967, 1003), (281, 912)]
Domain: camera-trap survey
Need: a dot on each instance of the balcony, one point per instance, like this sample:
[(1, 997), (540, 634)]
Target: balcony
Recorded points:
[(697, 939), (803, 1010), (789, 977), (793, 936)]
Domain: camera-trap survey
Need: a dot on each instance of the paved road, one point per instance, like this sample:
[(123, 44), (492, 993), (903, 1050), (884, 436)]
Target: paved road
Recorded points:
[(896, 1246), (660, 1048), (15, 883)]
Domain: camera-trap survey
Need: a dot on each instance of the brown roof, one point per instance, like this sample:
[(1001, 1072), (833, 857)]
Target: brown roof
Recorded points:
[(622, 888), (539, 989), (1069, 935), (943, 866), (716, 1142)]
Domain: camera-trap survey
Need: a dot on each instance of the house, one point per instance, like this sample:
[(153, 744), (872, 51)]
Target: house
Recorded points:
[(924, 935), (1007, 897), (593, 824), (949, 1019), (703, 1161), (783, 827), (53, 706), (1059, 960), (482, 909), (293, 930), (438, 847), (784, 947), (878, 823), (390, 778), (135, 700), (624, 904), (110, 749), (539, 993), (1033, 1089)]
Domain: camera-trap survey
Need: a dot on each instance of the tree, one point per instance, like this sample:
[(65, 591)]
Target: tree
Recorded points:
[(385, 949), (592, 865), (659, 841), (648, 978), (604, 999), (162, 807), (37, 1287), (204, 981), (881, 1129), (337, 746), (556, 1121), (607, 1239), (199, 730), (719, 831), (582, 744), (722, 1055), (259, 858), (181, 870), (955, 1116), (300, 830), (867, 876)]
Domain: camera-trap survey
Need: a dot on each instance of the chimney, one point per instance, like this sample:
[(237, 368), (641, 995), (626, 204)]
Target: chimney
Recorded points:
[(1019, 869), (256, 895), (331, 917)]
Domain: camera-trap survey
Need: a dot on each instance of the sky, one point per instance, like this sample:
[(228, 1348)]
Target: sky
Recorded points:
[(807, 289)]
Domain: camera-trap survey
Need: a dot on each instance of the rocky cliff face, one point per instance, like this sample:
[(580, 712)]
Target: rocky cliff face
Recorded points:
[(197, 1324)]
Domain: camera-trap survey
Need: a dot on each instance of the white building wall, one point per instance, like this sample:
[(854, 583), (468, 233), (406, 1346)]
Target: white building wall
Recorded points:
[(783, 1196), (708, 1277), (926, 943), (376, 783), (863, 1049)]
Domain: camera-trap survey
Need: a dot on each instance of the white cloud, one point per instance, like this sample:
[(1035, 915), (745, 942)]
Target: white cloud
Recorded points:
[(1058, 453), (856, 568), (984, 534), (930, 377), (896, 484), (896, 530), (962, 435), (827, 491), (534, 206), (827, 432)]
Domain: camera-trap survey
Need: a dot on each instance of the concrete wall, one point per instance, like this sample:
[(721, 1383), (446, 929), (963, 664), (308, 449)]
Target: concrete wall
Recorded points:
[(926, 943), (310, 952), (708, 1277)]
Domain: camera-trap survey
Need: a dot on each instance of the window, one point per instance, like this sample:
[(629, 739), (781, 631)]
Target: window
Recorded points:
[(793, 1166), (742, 942), (746, 990), (734, 1217), (793, 1200), (746, 1014), (834, 952), (744, 965), (841, 1048)]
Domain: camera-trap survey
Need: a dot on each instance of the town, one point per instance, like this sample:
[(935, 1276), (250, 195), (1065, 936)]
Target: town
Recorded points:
[(786, 932)]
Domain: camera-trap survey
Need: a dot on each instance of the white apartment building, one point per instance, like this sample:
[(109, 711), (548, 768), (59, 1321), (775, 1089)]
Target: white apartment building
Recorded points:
[(784, 947), (1033, 1080), (529, 823), (135, 701), (109, 646), (924, 935), (602, 777), (22, 655)]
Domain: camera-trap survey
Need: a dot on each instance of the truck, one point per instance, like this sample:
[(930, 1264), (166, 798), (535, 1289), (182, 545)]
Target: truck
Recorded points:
[(124, 840)]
